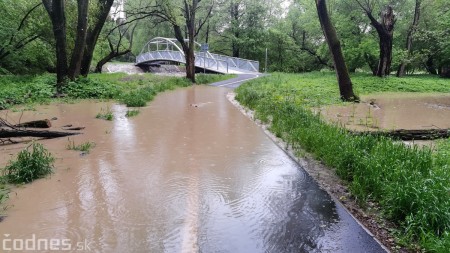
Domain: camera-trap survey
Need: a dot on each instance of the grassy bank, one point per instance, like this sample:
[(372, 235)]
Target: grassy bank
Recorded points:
[(410, 184)]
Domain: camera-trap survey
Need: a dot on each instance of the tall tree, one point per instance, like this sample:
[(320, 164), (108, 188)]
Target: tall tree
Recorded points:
[(409, 38), (93, 32), (170, 11), (80, 41), (56, 12), (385, 30), (342, 75)]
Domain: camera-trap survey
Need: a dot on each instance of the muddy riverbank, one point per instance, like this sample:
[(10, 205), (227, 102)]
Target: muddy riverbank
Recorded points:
[(190, 173)]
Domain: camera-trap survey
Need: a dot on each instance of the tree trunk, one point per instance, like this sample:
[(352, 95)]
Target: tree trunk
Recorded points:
[(345, 84), (56, 12), (384, 64), (188, 48), (385, 31), (429, 65), (409, 38), (93, 34), (12, 133), (45, 123), (80, 41)]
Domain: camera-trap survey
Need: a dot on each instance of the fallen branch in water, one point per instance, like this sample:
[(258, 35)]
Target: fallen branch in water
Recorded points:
[(7, 130), (409, 135), (45, 123)]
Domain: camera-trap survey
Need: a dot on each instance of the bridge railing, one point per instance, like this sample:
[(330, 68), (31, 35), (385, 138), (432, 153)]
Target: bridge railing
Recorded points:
[(160, 55), (239, 63), (206, 60)]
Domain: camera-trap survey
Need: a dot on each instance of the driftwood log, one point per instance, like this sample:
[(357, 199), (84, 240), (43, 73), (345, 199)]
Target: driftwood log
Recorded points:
[(409, 135), (45, 123), (7, 130), (12, 133)]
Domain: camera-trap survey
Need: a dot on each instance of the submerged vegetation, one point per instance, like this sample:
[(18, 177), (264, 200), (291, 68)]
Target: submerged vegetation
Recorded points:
[(132, 113), (83, 147), (106, 114), (410, 184)]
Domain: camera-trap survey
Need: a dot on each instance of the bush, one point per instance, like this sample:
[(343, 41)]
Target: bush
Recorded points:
[(30, 165), (90, 88)]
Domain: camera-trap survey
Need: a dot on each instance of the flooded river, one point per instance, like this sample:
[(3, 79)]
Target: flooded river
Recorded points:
[(190, 173)]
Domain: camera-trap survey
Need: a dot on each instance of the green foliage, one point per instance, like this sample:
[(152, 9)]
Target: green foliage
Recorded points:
[(106, 114), (411, 184), (317, 89), (91, 88), (25, 89), (32, 163), (83, 147)]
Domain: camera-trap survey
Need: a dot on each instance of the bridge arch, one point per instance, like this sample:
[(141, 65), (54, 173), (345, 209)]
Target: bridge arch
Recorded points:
[(168, 42)]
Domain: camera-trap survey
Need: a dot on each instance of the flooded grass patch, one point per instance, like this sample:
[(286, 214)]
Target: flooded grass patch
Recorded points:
[(83, 147), (410, 184), (106, 114), (132, 113)]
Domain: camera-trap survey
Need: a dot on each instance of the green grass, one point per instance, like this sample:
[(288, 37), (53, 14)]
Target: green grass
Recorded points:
[(106, 114), (211, 78), (412, 185), (318, 88), (83, 147), (132, 113), (32, 163)]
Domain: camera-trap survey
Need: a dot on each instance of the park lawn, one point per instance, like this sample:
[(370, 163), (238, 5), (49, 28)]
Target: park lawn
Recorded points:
[(411, 185)]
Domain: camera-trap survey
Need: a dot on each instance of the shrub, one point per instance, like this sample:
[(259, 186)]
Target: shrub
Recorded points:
[(90, 88), (32, 163)]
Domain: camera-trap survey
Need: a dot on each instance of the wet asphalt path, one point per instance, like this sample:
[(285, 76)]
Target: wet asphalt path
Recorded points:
[(355, 236)]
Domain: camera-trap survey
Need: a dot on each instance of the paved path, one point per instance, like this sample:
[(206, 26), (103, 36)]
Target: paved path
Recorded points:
[(237, 81)]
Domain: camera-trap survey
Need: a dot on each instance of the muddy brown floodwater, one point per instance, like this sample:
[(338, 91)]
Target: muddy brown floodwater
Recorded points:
[(394, 111), (190, 173)]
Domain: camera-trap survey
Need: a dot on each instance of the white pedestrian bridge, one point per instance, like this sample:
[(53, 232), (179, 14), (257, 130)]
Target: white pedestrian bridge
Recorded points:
[(168, 50)]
